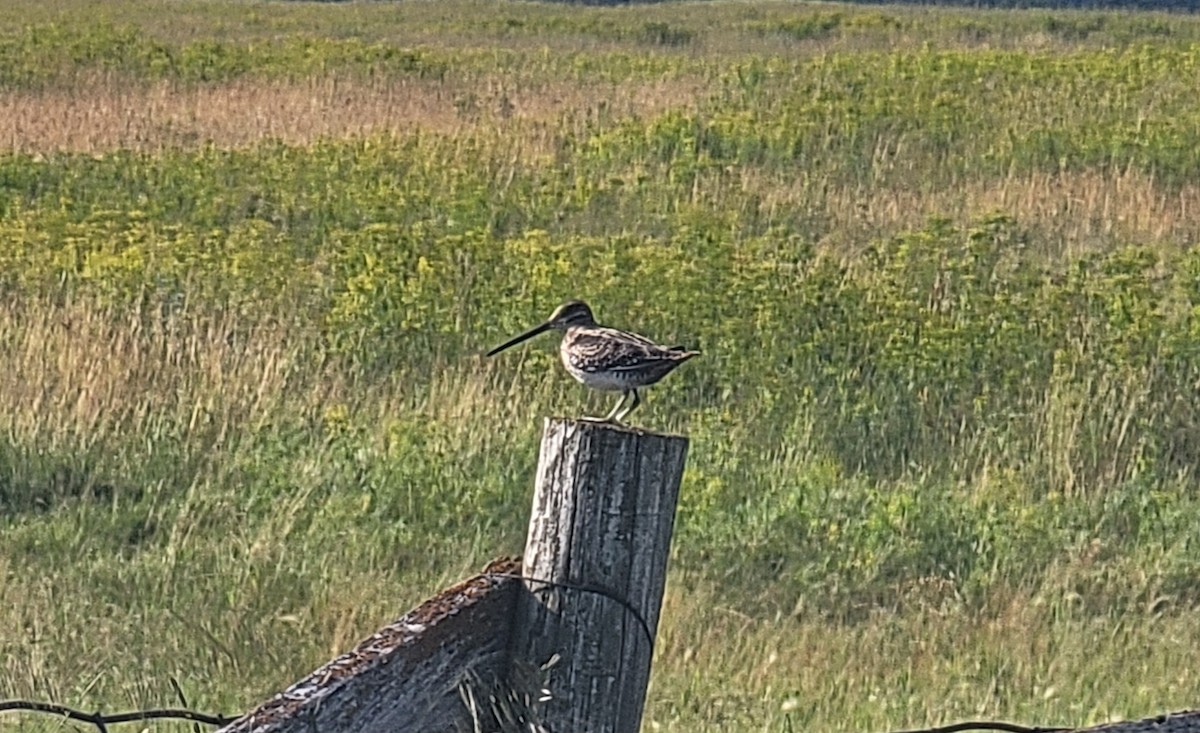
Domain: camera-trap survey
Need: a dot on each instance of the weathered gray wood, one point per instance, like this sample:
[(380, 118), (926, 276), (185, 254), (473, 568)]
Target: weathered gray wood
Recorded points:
[(1185, 721), (409, 676), (603, 513)]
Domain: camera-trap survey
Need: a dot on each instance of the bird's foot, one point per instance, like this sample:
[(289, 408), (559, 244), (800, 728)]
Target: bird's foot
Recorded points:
[(607, 419)]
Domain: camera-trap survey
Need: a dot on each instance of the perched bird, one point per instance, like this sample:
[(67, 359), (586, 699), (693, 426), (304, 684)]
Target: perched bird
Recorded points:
[(605, 358)]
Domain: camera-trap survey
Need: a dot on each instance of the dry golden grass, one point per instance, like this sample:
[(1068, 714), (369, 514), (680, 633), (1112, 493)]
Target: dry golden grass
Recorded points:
[(202, 378), (108, 113), (1070, 211), (103, 374)]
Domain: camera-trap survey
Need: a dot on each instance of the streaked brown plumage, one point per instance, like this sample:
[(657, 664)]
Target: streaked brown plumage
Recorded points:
[(606, 358)]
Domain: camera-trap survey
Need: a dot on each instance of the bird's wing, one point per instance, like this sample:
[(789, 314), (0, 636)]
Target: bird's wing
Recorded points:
[(609, 349)]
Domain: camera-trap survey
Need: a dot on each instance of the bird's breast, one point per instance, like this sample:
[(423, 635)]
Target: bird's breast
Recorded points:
[(590, 368)]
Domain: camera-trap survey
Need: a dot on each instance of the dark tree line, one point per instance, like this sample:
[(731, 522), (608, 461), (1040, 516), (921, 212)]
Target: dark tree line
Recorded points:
[(1189, 6), (1173, 5)]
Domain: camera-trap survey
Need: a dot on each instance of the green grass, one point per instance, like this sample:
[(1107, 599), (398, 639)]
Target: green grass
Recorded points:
[(941, 265)]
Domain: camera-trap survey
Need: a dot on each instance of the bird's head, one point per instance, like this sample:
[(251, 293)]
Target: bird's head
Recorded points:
[(569, 314)]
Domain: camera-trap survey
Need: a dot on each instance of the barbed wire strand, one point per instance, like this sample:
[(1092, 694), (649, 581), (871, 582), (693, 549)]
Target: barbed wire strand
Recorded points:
[(985, 725), (102, 721), (588, 588)]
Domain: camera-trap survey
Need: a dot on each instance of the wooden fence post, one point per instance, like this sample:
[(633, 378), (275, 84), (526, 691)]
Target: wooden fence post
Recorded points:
[(603, 512)]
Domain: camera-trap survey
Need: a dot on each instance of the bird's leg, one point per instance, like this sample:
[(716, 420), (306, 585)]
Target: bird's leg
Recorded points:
[(636, 401), (612, 415)]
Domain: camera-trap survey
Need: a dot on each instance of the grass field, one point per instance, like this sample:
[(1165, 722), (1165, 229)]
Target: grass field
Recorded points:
[(941, 264)]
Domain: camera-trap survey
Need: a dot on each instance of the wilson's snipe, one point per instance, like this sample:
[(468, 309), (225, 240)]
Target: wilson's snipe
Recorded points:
[(605, 358)]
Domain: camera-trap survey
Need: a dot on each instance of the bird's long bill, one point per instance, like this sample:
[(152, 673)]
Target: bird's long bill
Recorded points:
[(523, 337)]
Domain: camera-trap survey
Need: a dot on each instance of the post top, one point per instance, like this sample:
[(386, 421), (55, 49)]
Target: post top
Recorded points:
[(596, 424)]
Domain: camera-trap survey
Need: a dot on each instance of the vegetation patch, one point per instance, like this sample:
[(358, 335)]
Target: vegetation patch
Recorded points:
[(941, 266)]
